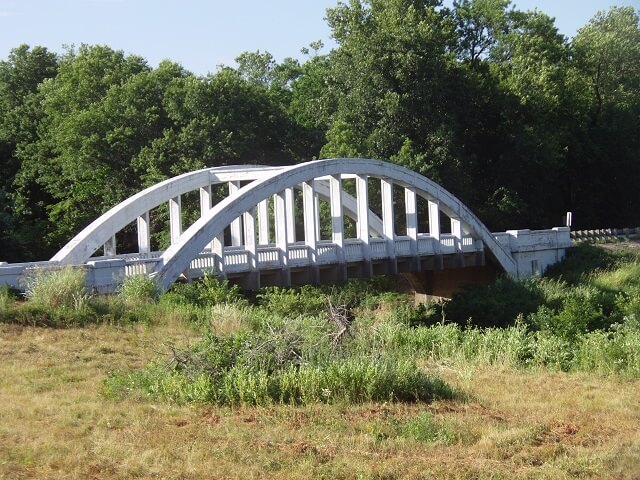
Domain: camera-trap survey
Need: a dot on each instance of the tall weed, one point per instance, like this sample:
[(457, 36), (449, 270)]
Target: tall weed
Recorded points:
[(6, 298), (56, 288), (138, 290)]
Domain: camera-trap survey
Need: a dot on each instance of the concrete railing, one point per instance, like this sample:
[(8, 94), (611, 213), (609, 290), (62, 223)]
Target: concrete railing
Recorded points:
[(534, 251)]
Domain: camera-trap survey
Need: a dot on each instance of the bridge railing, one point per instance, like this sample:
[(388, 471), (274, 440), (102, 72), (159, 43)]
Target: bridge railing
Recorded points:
[(105, 274)]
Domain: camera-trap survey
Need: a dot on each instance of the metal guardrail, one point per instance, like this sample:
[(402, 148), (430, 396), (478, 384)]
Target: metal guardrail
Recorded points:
[(605, 234)]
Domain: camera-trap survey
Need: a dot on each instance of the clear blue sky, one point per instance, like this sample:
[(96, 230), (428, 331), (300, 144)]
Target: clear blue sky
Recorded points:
[(201, 34)]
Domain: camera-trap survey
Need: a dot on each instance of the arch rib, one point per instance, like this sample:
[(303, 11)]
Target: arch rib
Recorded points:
[(80, 248), (178, 256)]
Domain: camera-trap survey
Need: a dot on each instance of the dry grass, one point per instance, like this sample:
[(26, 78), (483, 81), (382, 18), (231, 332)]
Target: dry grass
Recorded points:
[(56, 424)]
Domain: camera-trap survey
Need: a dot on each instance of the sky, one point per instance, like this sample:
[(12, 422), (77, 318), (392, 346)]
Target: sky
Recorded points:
[(203, 34)]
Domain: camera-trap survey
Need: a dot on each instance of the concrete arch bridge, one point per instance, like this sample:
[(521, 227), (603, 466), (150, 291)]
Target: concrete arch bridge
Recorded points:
[(320, 221)]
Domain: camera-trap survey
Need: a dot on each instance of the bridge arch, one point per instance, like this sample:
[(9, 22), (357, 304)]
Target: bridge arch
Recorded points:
[(81, 247), (177, 257)]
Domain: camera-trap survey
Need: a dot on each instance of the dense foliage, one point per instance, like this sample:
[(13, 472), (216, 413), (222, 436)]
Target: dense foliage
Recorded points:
[(522, 123)]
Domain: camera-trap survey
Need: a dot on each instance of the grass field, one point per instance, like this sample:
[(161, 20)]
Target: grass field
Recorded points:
[(514, 424)]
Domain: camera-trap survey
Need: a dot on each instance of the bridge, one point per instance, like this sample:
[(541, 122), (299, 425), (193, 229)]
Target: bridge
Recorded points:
[(320, 221)]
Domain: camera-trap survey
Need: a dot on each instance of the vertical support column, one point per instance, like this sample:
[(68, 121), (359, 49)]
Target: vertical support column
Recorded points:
[(250, 244), (281, 236), (109, 248), (456, 232), (456, 228), (434, 220), (388, 227), (310, 230), (337, 225), (363, 222), (144, 234), (411, 211), (175, 218), (290, 206), (205, 205), (316, 200), (434, 231), (217, 247), (263, 223), (205, 200), (236, 225)]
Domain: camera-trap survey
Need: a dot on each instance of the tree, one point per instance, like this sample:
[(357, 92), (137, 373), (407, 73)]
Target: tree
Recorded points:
[(388, 76), (20, 75), (607, 51), (480, 23), (604, 159), (95, 114)]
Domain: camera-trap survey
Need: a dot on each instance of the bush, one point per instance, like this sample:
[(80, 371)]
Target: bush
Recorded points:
[(138, 290), (353, 380), (496, 305), (607, 353), (582, 310), (207, 291), (56, 288), (212, 291), (6, 298), (628, 305), (297, 361), (293, 302)]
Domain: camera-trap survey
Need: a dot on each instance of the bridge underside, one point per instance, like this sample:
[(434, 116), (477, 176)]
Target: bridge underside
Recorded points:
[(425, 270)]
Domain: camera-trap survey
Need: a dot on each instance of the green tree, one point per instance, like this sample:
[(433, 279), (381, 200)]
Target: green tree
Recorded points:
[(604, 158), (388, 76), (480, 23), (97, 113), (20, 75)]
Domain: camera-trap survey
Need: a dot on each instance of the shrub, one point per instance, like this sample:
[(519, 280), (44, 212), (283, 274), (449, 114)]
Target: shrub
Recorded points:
[(606, 353), (582, 310), (6, 298), (628, 304), (138, 290), (293, 302), (297, 361), (207, 291), (212, 291), (495, 305), (55, 288), (351, 380)]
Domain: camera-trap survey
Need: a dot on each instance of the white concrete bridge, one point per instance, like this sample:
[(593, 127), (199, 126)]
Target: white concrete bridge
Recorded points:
[(286, 225)]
